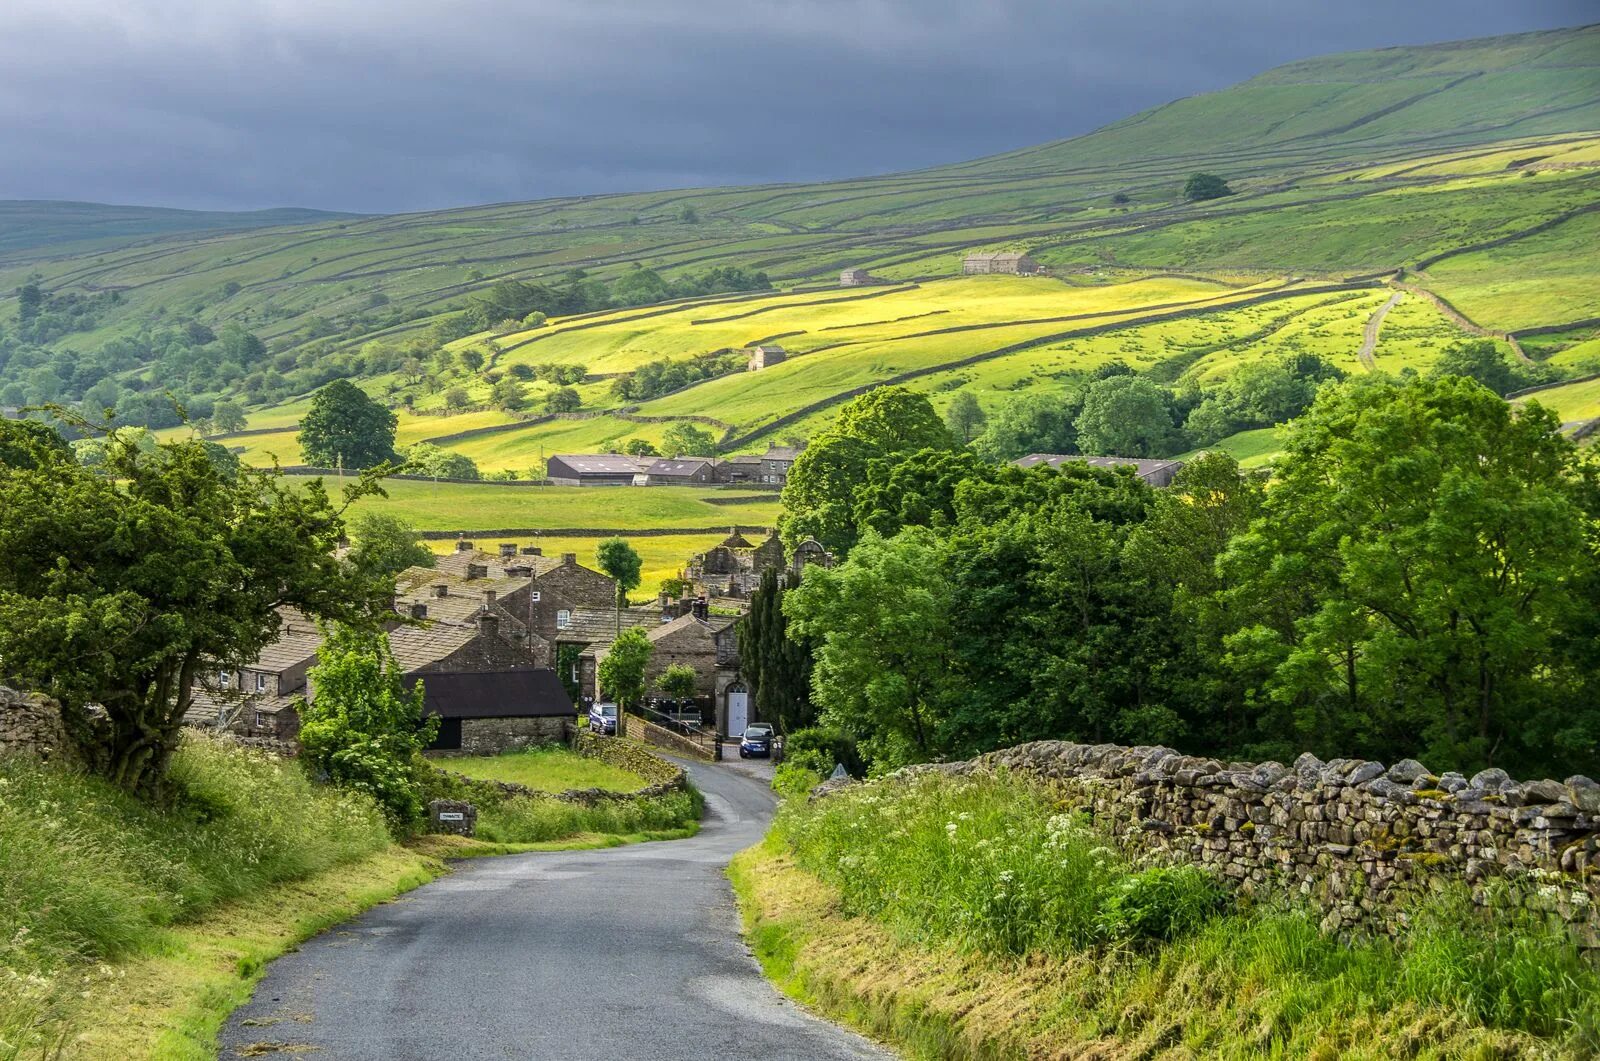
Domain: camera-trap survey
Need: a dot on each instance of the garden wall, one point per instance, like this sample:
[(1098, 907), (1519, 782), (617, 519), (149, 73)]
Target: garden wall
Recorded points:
[(31, 724), (1358, 838)]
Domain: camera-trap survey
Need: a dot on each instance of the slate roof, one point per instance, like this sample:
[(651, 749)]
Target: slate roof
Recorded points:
[(524, 692), (204, 703), (297, 641), (603, 463), (679, 466), (592, 623), (781, 453), (418, 646), (735, 540), (995, 256)]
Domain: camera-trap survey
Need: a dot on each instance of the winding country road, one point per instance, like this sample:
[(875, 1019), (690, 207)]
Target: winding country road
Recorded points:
[(1369, 338), (624, 953)]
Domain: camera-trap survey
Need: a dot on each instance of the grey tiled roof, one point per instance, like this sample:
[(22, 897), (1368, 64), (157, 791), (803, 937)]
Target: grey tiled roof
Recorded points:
[(1141, 465)]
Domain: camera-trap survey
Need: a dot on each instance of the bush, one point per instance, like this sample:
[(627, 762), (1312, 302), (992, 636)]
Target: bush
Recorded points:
[(1161, 903), (791, 780), (820, 749)]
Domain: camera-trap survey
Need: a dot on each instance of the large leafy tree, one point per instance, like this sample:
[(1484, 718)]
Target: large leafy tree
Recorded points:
[(345, 428), (1032, 423), (880, 624), (1482, 360), (385, 545), (117, 589), (1411, 580), (820, 496), (918, 490), (364, 728), (1127, 416), (684, 439), (965, 418), (773, 659)]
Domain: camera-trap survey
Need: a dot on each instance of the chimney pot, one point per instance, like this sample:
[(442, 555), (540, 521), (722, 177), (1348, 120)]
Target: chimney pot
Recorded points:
[(463, 546), (508, 548)]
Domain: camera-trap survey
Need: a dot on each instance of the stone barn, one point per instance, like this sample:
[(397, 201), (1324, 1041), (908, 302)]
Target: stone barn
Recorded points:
[(766, 356), (1014, 262)]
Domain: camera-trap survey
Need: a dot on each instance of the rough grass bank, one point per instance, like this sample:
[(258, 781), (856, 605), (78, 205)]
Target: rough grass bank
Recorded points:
[(977, 917)]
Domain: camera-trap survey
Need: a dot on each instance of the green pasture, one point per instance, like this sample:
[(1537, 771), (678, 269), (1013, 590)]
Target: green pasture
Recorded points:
[(1575, 401), (1547, 278)]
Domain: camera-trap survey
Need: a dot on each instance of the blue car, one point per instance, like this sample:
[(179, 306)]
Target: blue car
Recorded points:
[(603, 719), (756, 742)]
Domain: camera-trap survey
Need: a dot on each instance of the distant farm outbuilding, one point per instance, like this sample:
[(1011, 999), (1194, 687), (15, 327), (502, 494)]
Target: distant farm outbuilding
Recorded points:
[(998, 262)]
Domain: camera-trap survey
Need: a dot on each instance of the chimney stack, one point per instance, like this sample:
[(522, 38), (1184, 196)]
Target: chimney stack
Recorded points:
[(419, 610), (488, 623), (488, 597), (532, 550), (665, 600), (702, 610), (508, 549), (569, 558), (441, 589), (463, 546), (477, 571)]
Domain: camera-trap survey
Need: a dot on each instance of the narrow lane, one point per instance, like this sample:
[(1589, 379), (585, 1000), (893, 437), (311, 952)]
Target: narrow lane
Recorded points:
[(616, 954)]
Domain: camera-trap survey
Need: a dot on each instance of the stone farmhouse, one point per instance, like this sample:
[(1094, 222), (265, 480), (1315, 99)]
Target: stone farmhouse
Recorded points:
[(1155, 471), (984, 262), (765, 357), (705, 642), (730, 571)]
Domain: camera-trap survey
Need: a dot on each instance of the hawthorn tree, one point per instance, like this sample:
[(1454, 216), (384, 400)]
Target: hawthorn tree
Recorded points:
[(118, 588), (621, 672), (621, 561)]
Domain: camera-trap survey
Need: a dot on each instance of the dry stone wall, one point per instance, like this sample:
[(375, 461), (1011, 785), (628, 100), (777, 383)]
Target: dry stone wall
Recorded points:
[(1359, 838), (31, 724)]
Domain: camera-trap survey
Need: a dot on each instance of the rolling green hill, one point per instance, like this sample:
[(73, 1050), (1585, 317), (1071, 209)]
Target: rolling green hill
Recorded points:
[(1472, 166)]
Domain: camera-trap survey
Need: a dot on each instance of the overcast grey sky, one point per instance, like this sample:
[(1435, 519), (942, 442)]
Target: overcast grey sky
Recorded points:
[(381, 105)]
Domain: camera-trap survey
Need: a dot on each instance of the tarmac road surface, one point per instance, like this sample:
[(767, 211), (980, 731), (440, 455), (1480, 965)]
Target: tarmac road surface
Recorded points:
[(622, 953)]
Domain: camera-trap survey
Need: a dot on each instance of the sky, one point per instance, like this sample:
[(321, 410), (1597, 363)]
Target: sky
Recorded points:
[(379, 106)]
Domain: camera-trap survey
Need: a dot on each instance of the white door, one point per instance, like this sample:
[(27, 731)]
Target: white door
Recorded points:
[(738, 710)]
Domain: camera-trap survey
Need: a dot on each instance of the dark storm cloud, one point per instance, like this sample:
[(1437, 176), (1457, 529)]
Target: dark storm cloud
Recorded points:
[(405, 104)]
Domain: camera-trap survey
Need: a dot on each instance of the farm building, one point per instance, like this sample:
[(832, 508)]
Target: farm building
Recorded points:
[(998, 262), (681, 471), (595, 469), (776, 462), (855, 278), (765, 356), (1155, 471)]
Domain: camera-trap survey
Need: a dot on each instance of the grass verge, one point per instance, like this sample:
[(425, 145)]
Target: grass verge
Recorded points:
[(981, 939), (552, 769)]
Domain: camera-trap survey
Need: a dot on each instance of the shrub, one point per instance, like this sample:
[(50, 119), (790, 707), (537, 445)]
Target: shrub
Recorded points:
[(1160, 903), (791, 780), (820, 749)]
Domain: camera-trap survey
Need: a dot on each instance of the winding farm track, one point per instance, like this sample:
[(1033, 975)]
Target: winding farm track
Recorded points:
[(1369, 337), (613, 955)]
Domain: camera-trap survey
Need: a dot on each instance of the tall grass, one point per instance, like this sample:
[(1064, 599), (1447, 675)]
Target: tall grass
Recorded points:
[(89, 874), (528, 820), (991, 865)]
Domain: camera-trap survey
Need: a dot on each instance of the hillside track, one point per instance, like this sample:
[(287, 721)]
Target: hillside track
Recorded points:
[(612, 955), (1369, 337)]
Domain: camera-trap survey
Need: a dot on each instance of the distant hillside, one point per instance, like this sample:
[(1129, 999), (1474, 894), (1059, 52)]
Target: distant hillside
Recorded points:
[(39, 227), (1474, 166)]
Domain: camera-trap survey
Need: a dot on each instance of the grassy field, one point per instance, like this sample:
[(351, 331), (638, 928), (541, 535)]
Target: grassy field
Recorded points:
[(1347, 164), (545, 769), (1575, 401), (472, 506)]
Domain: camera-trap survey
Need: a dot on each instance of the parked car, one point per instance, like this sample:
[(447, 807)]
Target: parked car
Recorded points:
[(603, 718), (687, 715), (756, 742)]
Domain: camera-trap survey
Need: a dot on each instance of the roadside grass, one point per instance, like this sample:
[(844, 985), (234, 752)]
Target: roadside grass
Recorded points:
[(525, 820), (545, 769), (91, 876), (975, 918)]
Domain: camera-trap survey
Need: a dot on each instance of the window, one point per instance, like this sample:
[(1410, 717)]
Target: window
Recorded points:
[(224, 680), (261, 720), (563, 619), (261, 683)]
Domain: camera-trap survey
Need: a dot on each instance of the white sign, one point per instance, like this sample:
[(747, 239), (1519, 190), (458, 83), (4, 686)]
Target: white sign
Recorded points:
[(451, 816), (535, 594)]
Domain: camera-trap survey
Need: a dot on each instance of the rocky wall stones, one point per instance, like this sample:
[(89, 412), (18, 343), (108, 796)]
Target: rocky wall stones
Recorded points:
[(1358, 837), (31, 724)]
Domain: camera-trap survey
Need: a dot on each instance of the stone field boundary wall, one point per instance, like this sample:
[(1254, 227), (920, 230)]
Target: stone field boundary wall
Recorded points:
[(664, 778), (1359, 839)]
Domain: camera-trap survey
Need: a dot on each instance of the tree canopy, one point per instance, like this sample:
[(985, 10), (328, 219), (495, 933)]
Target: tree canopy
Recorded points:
[(346, 428), (123, 589)]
